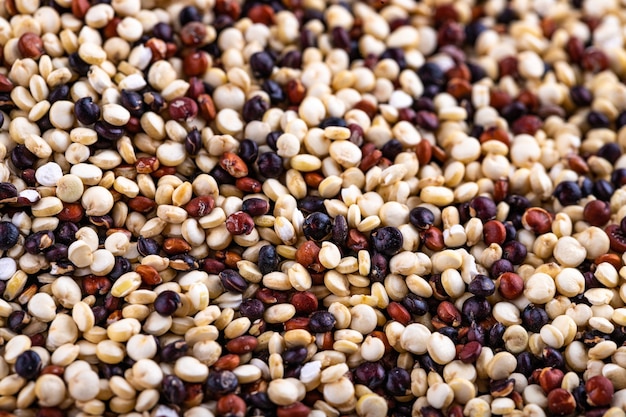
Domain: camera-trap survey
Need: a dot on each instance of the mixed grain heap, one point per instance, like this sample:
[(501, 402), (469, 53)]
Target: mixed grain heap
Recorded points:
[(307, 208)]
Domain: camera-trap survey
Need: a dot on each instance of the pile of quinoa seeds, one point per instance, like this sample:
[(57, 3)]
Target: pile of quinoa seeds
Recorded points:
[(292, 208)]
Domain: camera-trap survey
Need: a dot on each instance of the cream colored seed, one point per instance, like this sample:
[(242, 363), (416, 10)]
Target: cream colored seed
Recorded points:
[(80, 254), (97, 201), (69, 188), (126, 284), (329, 255)]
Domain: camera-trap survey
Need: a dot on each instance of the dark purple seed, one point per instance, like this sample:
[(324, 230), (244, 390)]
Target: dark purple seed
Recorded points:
[(618, 177), (415, 304), (193, 142), (321, 322), (163, 31), (86, 111), (379, 266), (476, 308), (473, 31), (311, 204), (133, 102), (603, 190), (387, 240), (428, 411), (100, 314), (514, 251), (431, 90), (108, 131), (591, 338), (260, 400), (507, 16), (340, 38), (17, 320), (111, 303), (295, 355), (333, 121), (597, 120), (173, 389), (619, 335), (427, 120), (174, 351), (167, 303), (105, 222), (450, 332), (398, 381), (232, 281), (370, 374), (268, 259), (424, 104), (431, 74), (77, 64), (252, 309), (147, 246), (421, 217), (610, 151), (255, 206), (339, 232), (501, 266), (189, 14), (391, 149), (580, 395), (222, 22), (272, 139), (38, 241), (513, 111), (274, 91), (8, 192), (61, 92), (292, 59), (476, 333), (22, 158), (254, 109), (317, 226), (482, 207), (495, 336), (9, 235), (581, 96), (270, 165), (511, 232), (518, 203), (184, 262), (526, 364), (481, 285), (620, 121), (477, 72), (307, 37), (262, 64), (553, 358), (534, 318), (28, 364), (221, 175), (248, 151), (154, 101), (293, 371), (395, 54), (590, 282), (407, 115), (121, 266), (568, 193), (427, 362), (221, 383)]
